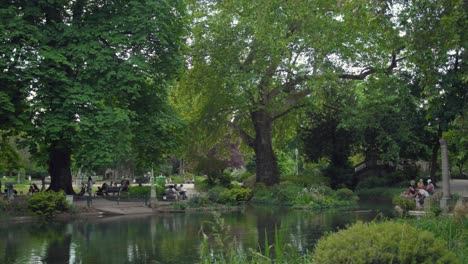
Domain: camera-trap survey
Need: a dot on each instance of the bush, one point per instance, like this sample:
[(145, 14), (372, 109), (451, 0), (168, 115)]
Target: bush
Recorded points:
[(386, 242), (198, 201), (16, 207), (287, 192), (214, 194), (345, 195), (236, 195), (48, 204), (404, 203)]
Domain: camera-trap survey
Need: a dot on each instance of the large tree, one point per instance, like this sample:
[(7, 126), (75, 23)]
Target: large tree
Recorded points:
[(82, 66), (253, 62), (435, 40)]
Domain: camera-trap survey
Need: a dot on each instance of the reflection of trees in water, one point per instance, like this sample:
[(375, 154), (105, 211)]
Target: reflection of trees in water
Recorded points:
[(171, 238), (11, 245)]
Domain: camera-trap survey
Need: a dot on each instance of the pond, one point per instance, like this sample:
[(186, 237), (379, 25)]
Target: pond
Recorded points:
[(169, 238)]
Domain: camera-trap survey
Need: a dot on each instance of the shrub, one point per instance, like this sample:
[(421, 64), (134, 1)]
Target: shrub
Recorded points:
[(287, 192), (225, 179), (48, 204), (16, 207), (235, 195), (345, 195), (145, 191), (214, 194), (404, 203), (386, 242), (198, 201)]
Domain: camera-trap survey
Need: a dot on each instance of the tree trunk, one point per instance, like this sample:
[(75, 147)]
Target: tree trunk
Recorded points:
[(60, 168), (266, 163)]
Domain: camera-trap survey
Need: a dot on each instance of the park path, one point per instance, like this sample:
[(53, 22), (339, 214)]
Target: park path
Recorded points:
[(457, 186), (106, 206)]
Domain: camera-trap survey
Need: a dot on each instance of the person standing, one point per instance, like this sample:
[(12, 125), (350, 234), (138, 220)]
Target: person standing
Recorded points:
[(430, 187), (89, 189)]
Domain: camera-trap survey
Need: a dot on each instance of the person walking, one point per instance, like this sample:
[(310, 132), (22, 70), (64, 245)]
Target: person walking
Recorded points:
[(89, 189)]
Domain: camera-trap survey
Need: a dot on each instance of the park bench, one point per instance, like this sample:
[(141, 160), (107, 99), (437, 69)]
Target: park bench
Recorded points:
[(167, 196), (114, 190)]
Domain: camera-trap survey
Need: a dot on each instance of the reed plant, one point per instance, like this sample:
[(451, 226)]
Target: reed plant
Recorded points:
[(450, 229), (219, 247)]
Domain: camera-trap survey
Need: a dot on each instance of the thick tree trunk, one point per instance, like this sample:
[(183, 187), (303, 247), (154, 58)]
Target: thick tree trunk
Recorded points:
[(60, 168), (266, 163)]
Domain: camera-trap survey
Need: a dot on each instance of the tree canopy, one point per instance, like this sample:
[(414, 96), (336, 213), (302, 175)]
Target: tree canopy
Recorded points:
[(87, 70), (252, 63)]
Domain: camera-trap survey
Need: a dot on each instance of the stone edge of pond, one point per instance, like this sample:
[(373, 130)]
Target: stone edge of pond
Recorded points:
[(98, 214)]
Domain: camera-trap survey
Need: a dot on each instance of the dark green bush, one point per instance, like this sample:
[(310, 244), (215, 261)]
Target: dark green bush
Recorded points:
[(214, 194), (145, 191), (16, 207), (48, 204), (197, 201), (225, 180), (287, 192), (345, 195), (235, 195), (386, 242), (404, 203)]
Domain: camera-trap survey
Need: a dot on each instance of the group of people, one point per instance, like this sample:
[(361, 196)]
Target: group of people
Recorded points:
[(419, 191), (176, 192), (33, 189), (106, 188)]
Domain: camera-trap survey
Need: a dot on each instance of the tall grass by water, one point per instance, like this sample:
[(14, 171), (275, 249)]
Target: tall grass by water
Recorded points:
[(449, 229)]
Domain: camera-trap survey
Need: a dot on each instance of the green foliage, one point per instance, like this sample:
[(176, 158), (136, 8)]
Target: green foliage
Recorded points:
[(450, 229), (48, 204), (16, 207), (287, 165), (202, 185), (214, 194), (385, 242), (314, 197), (91, 80), (144, 191), (139, 190), (197, 201), (380, 193), (345, 194), (404, 203), (236, 195), (245, 73)]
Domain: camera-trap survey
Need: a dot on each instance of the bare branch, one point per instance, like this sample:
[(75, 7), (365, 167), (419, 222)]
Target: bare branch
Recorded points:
[(368, 71)]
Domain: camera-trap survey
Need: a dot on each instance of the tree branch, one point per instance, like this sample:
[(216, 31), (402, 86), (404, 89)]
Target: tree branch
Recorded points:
[(246, 137), (287, 111), (368, 71)]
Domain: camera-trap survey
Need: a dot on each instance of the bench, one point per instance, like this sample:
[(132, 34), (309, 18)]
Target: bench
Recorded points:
[(112, 190), (168, 196)]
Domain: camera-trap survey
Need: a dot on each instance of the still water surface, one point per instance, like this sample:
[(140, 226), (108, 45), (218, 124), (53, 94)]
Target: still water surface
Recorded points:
[(169, 238)]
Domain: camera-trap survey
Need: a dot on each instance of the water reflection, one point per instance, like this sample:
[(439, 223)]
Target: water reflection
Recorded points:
[(171, 238)]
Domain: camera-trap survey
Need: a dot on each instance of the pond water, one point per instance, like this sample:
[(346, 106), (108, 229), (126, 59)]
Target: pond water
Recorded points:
[(170, 238)]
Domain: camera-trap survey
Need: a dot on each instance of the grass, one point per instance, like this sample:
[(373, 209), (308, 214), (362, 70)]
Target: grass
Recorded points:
[(452, 230)]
